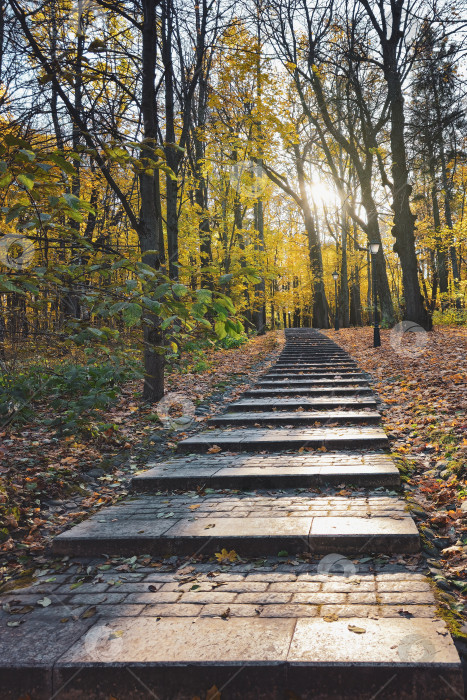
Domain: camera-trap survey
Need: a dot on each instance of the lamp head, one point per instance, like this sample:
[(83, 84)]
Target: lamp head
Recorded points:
[(374, 247), (335, 276)]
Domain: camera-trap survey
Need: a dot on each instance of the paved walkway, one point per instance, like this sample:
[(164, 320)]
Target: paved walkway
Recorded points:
[(316, 590)]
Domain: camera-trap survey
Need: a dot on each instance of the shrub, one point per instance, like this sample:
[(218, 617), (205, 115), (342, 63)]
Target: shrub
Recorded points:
[(450, 317)]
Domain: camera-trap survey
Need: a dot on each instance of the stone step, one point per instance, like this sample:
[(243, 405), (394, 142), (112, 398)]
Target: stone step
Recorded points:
[(327, 628), (309, 390), (280, 404), (273, 471), (297, 381), (306, 368), (321, 377), (251, 439), (315, 361), (252, 525), (300, 374), (318, 358), (294, 417), (327, 370), (291, 364), (260, 659), (315, 355)]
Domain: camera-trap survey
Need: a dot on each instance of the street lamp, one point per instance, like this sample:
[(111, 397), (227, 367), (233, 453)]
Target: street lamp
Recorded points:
[(374, 248), (335, 277)]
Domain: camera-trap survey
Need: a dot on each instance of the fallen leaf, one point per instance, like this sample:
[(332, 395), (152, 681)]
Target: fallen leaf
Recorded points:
[(224, 555), (330, 618), (45, 602), (116, 634), (213, 693)]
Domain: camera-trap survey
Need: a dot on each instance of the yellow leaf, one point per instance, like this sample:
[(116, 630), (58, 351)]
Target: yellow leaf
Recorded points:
[(224, 555), (116, 634), (357, 630), (330, 618)]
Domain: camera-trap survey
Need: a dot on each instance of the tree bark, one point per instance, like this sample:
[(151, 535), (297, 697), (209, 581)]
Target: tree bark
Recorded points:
[(374, 236), (344, 312), (149, 223)]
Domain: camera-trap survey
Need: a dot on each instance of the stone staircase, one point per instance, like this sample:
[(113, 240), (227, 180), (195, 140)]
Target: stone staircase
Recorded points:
[(295, 479)]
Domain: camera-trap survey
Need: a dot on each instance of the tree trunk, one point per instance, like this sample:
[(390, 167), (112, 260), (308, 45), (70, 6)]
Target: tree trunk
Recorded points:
[(344, 312), (355, 303), (259, 314), (259, 311), (441, 268), (374, 236), (404, 221), (149, 224), (448, 217), (201, 187), (171, 153), (320, 304)]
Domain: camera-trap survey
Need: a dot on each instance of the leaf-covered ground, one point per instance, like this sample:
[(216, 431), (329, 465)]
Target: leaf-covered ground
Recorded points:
[(48, 482), (421, 378)]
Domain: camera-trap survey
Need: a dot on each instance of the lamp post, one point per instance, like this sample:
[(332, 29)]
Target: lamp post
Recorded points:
[(374, 248), (335, 276)]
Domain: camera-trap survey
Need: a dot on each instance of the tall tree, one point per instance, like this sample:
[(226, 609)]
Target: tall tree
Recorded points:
[(392, 23)]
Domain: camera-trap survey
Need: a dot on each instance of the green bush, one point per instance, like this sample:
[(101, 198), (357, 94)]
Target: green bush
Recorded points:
[(229, 342), (74, 394), (450, 317)]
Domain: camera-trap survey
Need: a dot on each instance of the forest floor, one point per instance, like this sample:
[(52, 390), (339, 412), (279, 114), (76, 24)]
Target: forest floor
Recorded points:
[(422, 382), (48, 483)]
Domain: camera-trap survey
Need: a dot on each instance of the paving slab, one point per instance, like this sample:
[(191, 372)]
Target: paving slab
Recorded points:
[(399, 659), (27, 655), (350, 534)]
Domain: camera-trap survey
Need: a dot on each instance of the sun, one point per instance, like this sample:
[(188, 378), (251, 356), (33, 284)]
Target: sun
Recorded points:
[(322, 194)]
